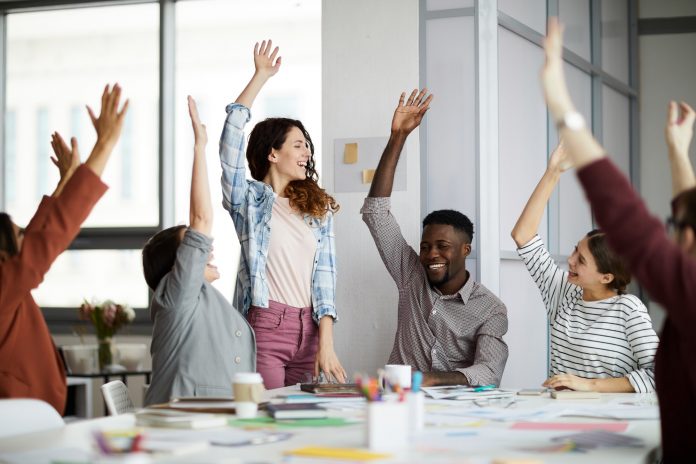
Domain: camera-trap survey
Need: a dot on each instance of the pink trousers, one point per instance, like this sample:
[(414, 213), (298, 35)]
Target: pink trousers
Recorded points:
[(287, 340)]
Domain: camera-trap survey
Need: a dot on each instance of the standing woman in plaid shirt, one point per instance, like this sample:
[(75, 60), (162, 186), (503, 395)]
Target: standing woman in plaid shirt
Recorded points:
[(286, 283)]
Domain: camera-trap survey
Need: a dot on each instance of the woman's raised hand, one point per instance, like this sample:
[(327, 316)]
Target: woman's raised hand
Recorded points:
[(200, 133), (110, 120), (67, 159), (265, 59), (680, 127)]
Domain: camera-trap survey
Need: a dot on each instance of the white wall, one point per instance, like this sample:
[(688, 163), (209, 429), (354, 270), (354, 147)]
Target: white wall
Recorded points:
[(370, 55)]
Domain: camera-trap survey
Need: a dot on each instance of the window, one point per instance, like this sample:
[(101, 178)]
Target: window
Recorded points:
[(58, 60), (214, 61)]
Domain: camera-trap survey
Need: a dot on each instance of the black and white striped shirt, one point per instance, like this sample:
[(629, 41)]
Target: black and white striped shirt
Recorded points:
[(592, 339)]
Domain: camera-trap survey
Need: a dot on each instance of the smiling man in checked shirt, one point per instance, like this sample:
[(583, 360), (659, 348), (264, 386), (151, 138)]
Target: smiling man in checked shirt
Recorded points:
[(449, 326)]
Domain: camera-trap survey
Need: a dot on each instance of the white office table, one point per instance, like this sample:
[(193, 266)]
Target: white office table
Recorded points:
[(467, 440)]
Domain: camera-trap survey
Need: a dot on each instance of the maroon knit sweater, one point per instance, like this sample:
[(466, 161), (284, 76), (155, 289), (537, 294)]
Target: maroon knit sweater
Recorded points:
[(669, 275)]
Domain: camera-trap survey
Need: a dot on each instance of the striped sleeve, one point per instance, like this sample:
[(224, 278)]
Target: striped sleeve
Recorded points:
[(643, 341), (547, 275)]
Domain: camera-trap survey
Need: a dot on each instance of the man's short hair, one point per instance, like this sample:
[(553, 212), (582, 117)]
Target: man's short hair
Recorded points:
[(159, 254), (452, 218)]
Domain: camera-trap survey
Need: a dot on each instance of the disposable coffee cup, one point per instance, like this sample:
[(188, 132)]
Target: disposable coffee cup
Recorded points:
[(248, 393)]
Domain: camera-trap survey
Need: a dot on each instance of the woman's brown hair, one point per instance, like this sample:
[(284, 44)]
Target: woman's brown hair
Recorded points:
[(305, 195), (608, 262)]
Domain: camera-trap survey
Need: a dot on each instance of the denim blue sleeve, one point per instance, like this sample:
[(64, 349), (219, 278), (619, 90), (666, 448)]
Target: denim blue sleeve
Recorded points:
[(232, 149), (324, 278)]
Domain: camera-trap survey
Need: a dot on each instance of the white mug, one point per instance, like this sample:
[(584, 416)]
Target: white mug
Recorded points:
[(395, 374)]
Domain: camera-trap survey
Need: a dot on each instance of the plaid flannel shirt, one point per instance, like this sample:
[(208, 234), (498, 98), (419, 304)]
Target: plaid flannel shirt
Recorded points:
[(250, 203)]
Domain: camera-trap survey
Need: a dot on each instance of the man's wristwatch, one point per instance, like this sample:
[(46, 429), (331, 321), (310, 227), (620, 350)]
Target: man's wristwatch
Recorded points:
[(572, 120)]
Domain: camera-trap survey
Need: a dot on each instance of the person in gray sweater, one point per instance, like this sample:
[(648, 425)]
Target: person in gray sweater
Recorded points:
[(199, 341)]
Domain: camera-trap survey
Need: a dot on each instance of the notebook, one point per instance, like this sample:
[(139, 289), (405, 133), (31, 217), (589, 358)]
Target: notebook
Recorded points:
[(178, 419), (296, 411), (327, 388), (574, 395)]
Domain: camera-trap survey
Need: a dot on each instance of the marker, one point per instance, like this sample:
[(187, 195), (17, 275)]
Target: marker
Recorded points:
[(416, 381), (484, 388)]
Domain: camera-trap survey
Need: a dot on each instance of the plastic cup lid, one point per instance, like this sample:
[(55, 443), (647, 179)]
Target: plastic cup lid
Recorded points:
[(247, 377)]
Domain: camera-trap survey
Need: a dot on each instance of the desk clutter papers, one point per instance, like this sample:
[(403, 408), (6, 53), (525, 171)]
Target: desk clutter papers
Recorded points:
[(281, 411), (268, 423), (581, 426), (600, 439), (178, 419), (218, 437), (504, 410), (466, 393), (584, 442), (327, 452), (47, 456)]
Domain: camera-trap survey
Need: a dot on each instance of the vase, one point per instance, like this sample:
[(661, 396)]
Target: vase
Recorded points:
[(105, 353)]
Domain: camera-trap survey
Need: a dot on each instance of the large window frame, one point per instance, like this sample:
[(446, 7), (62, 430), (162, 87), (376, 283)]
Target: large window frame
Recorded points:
[(63, 320)]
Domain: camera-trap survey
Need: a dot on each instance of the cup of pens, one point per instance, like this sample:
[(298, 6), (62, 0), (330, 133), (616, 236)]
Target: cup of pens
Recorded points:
[(387, 422)]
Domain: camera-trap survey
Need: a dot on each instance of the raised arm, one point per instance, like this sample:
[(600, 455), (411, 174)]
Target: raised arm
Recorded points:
[(664, 268), (266, 66), (581, 146), (52, 230), (407, 117), (108, 126), (201, 208), (232, 142), (678, 133), (528, 223)]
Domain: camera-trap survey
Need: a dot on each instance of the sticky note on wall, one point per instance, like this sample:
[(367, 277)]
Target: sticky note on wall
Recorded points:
[(367, 175), (350, 153)]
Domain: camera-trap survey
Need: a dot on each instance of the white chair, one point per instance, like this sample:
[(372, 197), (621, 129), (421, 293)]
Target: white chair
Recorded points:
[(23, 415), (117, 398)]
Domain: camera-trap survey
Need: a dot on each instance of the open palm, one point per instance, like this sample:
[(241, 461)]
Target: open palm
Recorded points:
[(409, 113)]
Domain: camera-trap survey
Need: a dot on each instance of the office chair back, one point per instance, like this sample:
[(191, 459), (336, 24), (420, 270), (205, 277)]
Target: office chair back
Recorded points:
[(23, 415), (117, 398)]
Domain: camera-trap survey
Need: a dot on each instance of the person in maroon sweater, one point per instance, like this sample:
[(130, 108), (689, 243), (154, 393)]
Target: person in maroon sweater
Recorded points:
[(666, 267), (30, 366)]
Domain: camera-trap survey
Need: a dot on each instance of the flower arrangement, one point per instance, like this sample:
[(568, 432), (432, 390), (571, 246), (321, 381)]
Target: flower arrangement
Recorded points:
[(107, 318)]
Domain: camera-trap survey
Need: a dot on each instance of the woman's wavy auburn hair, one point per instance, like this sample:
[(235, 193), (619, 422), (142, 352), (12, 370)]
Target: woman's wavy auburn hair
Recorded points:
[(305, 195)]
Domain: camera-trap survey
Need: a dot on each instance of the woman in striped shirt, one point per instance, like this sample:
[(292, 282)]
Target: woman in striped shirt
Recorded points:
[(602, 339)]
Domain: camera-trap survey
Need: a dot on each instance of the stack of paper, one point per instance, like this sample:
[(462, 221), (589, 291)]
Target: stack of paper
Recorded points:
[(178, 419)]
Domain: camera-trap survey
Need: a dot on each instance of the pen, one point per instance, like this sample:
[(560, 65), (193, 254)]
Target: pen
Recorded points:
[(484, 388)]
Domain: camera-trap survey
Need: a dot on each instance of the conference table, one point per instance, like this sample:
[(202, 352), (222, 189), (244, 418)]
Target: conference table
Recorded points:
[(621, 428)]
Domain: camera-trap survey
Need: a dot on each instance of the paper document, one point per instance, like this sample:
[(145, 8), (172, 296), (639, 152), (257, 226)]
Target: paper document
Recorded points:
[(459, 392)]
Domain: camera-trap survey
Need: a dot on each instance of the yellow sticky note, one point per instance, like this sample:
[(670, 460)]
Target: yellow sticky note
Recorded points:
[(351, 454), (350, 153), (367, 175)]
